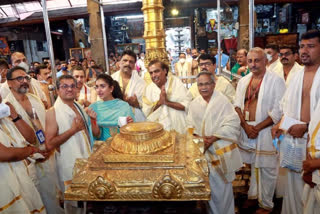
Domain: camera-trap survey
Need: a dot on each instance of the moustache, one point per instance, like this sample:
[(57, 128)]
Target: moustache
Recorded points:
[(26, 85), (204, 69), (284, 59)]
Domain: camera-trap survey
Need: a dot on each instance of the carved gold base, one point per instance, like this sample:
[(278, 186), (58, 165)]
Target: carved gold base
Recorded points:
[(184, 179)]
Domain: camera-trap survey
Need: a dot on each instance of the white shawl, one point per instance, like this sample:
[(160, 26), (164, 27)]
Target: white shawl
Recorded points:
[(170, 118), (270, 94), (222, 85), (135, 87), (18, 193), (78, 145), (218, 118)]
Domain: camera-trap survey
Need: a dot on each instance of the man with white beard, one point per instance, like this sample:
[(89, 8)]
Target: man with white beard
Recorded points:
[(219, 136)]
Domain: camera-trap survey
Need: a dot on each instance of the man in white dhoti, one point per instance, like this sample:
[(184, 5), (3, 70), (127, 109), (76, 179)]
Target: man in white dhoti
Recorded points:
[(257, 103), (288, 55), (165, 100), (131, 84), (68, 130), (86, 95), (220, 136), (272, 52), (299, 103), (18, 193), (208, 63), (311, 167), (32, 111)]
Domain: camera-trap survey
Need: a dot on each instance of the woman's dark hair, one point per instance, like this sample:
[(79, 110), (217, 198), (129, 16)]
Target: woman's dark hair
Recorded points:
[(116, 93)]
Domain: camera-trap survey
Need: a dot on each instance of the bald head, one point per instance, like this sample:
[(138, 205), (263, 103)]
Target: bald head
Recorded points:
[(257, 60)]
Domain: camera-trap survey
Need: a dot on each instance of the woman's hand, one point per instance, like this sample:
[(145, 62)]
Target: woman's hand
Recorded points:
[(91, 113), (129, 119)]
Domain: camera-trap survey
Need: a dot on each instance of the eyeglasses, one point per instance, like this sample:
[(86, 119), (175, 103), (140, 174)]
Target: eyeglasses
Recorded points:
[(285, 54), (205, 64), (204, 84), (22, 78), (65, 87)]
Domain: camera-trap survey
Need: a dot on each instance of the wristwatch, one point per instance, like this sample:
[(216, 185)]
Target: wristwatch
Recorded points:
[(17, 118)]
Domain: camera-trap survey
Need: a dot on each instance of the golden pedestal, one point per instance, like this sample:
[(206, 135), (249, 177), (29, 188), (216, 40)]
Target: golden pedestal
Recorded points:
[(142, 163)]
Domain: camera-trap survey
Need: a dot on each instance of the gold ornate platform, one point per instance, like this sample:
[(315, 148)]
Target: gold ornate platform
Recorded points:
[(142, 163)]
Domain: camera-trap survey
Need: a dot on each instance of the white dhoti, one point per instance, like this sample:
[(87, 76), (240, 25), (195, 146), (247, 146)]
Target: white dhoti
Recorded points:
[(311, 199), (311, 196), (18, 193), (260, 152), (223, 155), (222, 200), (291, 107), (262, 185), (292, 200), (43, 174), (79, 144)]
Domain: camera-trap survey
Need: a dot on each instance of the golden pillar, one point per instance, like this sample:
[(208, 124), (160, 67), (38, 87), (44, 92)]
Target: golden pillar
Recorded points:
[(154, 34)]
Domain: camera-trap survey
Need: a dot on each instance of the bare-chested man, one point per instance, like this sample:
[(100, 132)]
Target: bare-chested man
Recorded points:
[(257, 104), (32, 111), (19, 59), (68, 130), (299, 103)]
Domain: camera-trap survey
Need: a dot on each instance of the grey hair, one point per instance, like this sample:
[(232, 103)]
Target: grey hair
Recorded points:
[(208, 74), (258, 50)]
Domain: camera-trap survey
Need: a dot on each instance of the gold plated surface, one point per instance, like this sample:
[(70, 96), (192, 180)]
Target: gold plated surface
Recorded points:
[(184, 178), (154, 34), (140, 139)]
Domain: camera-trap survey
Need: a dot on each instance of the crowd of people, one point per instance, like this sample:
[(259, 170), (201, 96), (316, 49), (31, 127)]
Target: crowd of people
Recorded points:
[(271, 121)]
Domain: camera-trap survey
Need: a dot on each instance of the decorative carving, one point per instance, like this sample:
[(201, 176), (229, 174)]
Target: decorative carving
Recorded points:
[(141, 138), (101, 189), (167, 188), (177, 172)]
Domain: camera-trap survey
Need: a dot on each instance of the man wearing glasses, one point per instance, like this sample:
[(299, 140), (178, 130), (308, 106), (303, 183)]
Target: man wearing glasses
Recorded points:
[(219, 136), (31, 109), (208, 64), (288, 56), (68, 130), (19, 59)]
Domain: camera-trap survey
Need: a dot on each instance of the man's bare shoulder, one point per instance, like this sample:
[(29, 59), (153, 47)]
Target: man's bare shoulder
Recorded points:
[(50, 113)]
